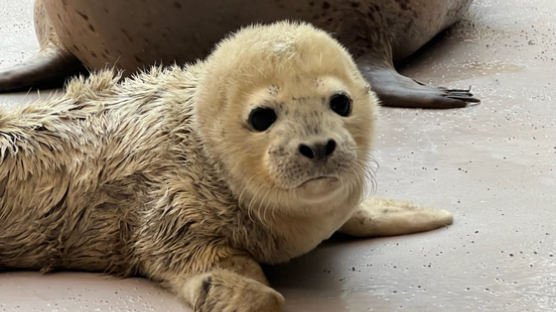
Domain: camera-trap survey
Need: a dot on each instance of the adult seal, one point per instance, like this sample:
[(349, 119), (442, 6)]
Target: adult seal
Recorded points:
[(130, 35)]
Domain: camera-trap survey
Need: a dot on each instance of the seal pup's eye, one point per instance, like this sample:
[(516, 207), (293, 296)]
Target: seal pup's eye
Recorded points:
[(261, 118), (340, 103)]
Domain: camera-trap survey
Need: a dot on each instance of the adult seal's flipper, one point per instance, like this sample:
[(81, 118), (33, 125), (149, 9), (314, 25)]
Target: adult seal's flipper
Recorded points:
[(396, 90), (47, 69)]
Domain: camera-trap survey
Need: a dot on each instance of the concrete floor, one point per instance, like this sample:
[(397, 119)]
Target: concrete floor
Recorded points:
[(492, 165)]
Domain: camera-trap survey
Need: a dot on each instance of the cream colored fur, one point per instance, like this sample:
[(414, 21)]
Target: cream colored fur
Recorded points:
[(160, 174)]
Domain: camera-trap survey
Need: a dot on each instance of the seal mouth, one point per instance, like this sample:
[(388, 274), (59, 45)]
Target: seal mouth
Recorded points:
[(319, 178)]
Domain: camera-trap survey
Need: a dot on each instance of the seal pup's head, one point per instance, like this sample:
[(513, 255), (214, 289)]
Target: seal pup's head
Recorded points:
[(287, 116)]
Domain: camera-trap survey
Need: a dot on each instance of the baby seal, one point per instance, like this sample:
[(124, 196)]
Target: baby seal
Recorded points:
[(192, 176)]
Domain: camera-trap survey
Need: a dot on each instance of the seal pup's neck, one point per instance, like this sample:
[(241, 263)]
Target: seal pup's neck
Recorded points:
[(299, 222)]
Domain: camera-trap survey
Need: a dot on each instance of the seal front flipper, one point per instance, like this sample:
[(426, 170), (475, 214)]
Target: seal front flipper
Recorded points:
[(47, 69), (394, 89), (385, 217), (49, 66)]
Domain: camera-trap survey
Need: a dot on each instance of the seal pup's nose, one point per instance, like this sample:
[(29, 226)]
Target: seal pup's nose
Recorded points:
[(318, 151)]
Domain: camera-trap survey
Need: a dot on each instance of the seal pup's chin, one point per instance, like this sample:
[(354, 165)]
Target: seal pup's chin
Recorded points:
[(319, 188)]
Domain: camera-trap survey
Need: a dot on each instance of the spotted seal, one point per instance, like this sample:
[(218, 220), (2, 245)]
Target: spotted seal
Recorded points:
[(133, 34)]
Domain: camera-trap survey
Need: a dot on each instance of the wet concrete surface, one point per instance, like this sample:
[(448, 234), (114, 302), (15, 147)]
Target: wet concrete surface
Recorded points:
[(492, 165)]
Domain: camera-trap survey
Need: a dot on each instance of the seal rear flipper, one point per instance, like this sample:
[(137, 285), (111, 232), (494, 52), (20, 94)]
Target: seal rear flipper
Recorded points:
[(396, 90), (47, 69)]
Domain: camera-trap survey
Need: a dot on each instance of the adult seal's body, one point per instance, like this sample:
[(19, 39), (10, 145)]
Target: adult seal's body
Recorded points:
[(138, 33), (193, 175)]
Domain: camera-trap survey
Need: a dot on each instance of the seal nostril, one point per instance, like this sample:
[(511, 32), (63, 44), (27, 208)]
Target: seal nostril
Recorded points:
[(330, 147), (306, 151)]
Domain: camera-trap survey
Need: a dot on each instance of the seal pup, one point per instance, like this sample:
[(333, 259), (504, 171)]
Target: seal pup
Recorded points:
[(192, 176), (136, 34)]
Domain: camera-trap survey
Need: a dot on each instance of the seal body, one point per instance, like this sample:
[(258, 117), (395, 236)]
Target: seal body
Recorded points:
[(193, 175), (132, 35), (102, 33)]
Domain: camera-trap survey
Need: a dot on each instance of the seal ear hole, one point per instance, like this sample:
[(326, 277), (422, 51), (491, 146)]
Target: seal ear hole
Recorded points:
[(340, 103), (261, 118)]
